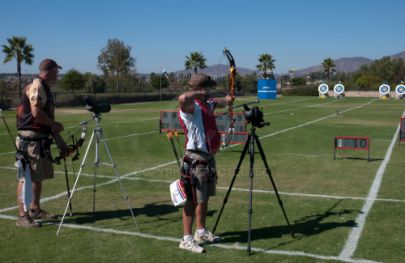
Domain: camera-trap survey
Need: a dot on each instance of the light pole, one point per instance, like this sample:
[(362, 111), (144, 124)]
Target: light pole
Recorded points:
[(160, 83), (160, 87)]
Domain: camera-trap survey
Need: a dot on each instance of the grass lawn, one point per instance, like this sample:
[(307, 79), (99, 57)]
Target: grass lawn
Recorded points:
[(326, 200)]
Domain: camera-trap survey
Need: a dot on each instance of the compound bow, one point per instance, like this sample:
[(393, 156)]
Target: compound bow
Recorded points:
[(74, 146), (63, 154)]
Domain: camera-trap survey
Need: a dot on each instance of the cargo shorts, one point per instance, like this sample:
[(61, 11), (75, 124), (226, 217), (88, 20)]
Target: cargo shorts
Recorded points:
[(41, 168), (204, 176)]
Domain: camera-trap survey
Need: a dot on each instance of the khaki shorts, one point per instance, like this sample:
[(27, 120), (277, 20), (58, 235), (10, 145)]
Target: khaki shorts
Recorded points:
[(41, 167), (204, 177)]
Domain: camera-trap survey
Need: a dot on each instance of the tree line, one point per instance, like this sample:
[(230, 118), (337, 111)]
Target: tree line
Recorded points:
[(119, 73)]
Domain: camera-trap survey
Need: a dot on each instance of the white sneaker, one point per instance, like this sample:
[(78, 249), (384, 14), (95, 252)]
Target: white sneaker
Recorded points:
[(191, 245), (206, 237)]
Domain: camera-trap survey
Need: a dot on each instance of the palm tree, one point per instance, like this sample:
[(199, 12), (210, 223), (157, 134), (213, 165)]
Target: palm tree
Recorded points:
[(21, 51), (194, 61), (266, 64), (328, 66)]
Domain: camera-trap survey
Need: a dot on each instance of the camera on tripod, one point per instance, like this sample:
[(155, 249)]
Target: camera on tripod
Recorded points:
[(254, 116), (96, 108)]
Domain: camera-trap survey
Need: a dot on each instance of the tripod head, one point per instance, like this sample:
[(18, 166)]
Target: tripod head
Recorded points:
[(254, 116)]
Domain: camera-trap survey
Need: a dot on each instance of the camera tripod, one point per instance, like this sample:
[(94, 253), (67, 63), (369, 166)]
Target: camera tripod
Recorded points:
[(96, 136), (250, 144)]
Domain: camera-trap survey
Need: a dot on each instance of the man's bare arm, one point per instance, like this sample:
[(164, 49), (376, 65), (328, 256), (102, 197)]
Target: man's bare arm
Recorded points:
[(41, 117), (223, 102)]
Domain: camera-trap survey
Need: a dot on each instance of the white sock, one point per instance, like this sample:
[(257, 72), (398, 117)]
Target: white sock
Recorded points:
[(187, 237), (201, 231)]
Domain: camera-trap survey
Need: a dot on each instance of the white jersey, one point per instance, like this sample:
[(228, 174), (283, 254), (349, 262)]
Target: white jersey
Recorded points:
[(196, 140)]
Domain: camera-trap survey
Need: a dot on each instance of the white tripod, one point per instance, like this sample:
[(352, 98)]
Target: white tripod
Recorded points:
[(96, 137)]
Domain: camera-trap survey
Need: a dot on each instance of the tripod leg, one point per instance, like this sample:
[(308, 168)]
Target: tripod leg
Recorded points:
[(251, 176), (75, 184), (268, 171), (123, 191), (232, 182), (96, 164)]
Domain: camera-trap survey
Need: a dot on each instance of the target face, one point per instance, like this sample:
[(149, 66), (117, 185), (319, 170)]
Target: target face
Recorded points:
[(400, 89), (323, 88), (339, 89), (384, 89)]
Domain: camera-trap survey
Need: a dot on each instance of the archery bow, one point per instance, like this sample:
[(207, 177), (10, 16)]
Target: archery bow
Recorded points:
[(231, 90), (74, 147)]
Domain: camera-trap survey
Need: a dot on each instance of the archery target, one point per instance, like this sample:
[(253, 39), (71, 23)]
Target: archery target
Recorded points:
[(323, 88), (400, 89), (339, 89), (384, 89)]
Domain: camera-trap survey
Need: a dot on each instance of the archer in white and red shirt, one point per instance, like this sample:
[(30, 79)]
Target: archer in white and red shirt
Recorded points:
[(197, 118)]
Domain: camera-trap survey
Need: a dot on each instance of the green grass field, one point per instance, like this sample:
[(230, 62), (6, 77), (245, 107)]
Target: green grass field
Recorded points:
[(343, 210)]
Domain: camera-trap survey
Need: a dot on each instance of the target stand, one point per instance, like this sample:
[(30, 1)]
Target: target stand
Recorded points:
[(400, 91), (339, 90), (384, 91), (352, 143), (323, 90)]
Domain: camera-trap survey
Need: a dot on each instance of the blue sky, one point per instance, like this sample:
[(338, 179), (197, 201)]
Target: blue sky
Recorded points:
[(298, 33)]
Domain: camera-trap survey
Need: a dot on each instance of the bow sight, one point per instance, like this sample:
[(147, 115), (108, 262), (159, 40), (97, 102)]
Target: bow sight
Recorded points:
[(254, 116)]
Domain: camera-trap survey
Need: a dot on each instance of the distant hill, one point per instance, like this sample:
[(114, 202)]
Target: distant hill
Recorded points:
[(344, 65), (399, 55)]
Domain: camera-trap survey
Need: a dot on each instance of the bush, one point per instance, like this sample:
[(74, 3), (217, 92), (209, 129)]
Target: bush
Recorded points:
[(302, 91), (367, 82)]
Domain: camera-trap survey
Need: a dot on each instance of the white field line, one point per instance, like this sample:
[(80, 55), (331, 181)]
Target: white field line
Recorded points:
[(130, 135), (353, 239), (317, 120), (303, 107), (122, 122), (64, 194), (7, 153), (346, 253), (118, 122), (272, 134), (275, 104), (114, 180), (235, 246), (106, 139)]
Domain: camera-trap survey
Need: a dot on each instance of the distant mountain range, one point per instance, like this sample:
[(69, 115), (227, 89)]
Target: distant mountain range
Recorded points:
[(342, 65), (220, 70)]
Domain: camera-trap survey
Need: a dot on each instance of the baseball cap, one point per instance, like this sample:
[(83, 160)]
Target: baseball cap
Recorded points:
[(48, 64)]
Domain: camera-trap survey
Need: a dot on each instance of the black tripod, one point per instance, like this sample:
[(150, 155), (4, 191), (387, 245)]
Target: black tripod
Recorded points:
[(250, 144)]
